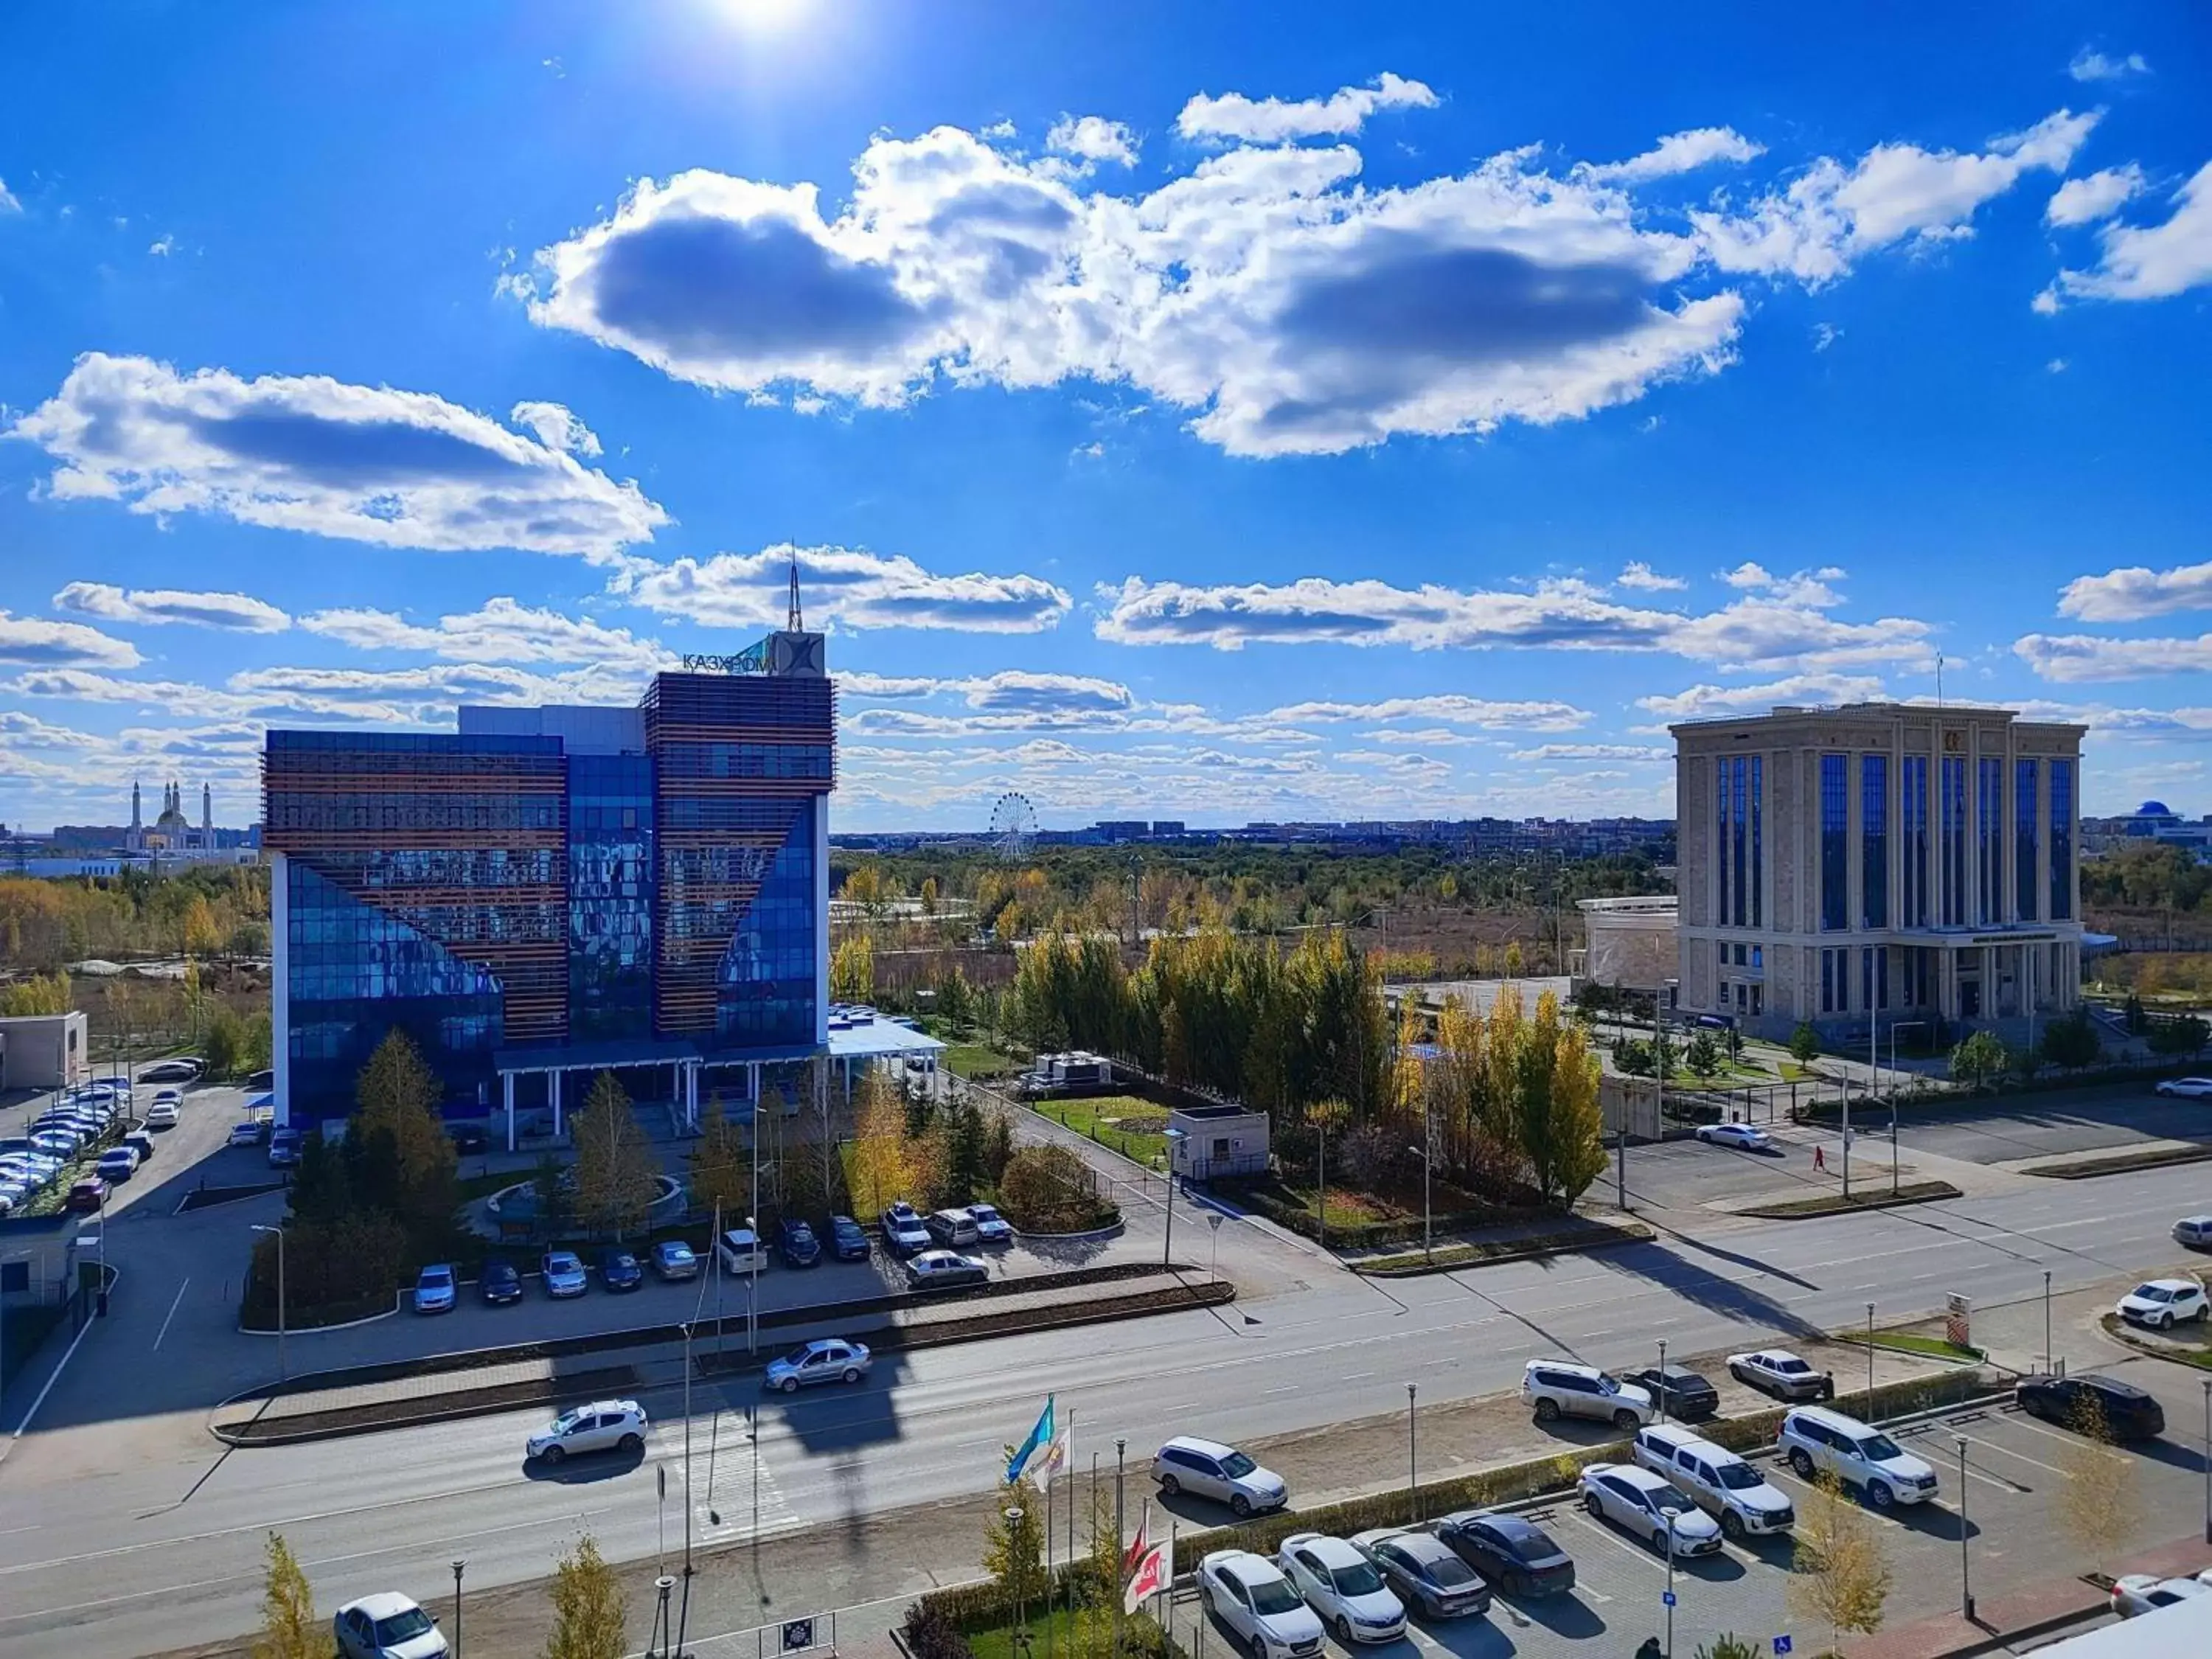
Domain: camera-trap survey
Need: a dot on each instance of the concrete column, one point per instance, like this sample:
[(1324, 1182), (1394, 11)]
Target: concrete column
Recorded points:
[(555, 1075), (506, 1086)]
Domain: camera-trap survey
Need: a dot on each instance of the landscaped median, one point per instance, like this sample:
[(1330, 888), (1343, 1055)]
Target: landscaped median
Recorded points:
[(328, 1404), (2150, 1157), (1867, 1197), (2190, 1347), (1470, 1253)]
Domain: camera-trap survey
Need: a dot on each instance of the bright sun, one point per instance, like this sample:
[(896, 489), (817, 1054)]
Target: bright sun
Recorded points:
[(764, 16)]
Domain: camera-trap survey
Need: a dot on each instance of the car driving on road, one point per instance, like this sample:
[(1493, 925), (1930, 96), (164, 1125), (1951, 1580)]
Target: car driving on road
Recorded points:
[(161, 1115), (831, 1359), (1343, 1587), (2186, 1088), (1426, 1573), (1251, 1597), (1779, 1372), (387, 1625), (604, 1425)]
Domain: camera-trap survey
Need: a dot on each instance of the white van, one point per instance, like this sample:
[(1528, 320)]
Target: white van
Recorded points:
[(1814, 1438), (1719, 1482), (953, 1229), (741, 1251)]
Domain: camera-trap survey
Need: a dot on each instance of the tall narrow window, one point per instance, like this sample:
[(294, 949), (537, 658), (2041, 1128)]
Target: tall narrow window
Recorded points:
[(1989, 840), (2062, 841), (1758, 847), (1912, 815), (1866, 977), (1738, 849), (1874, 841), (2024, 843), (1721, 841), (1881, 976), (1955, 842), (1835, 845)]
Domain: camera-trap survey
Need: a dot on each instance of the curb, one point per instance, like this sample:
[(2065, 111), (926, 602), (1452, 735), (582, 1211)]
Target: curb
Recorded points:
[(1095, 1234), (1759, 1212), (2119, 1332), (1570, 1245), (245, 1329), (2090, 1168)]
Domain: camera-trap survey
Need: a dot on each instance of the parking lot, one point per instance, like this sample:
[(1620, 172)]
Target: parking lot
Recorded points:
[(2009, 1514), (2113, 1118)]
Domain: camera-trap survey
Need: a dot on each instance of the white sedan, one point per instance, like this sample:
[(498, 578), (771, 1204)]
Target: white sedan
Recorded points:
[(1741, 1136), (1344, 1587), (2162, 1303), (2143, 1592), (388, 1626), (2186, 1088), (1640, 1501), (1249, 1594)]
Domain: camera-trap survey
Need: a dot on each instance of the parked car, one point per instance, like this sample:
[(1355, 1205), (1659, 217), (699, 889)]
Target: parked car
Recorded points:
[(604, 1425), (991, 1227), (618, 1271), (953, 1229), (117, 1163), (1717, 1481), (2145, 1592), (1638, 1501), (469, 1138), (62, 1143), (563, 1273), (248, 1133), (673, 1259), (1343, 1587), (1814, 1438), (848, 1241), (1552, 1388), (2162, 1303), (388, 1626), (741, 1251), (1781, 1373), (436, 1289), (2128, 1412), (831, 1359), (259, 1083), (89, 1193), (799, 1244), (1741, 1136), (1207, 1469), (1256, 1602), (284, 1148), (168, 1098), (1514, 1556), (2186, 1088), (945, 1270), (160, 1115), (904, 1231), (171, 1070), (499, 1283), (2195, 1231), (1426, 1573), (1678, 1391)]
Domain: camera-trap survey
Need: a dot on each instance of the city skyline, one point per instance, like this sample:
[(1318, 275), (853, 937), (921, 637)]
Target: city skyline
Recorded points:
[(1171, 418)]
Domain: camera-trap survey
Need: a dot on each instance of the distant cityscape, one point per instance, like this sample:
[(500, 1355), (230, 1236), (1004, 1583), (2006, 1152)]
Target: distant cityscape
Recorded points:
[(1565, 837)]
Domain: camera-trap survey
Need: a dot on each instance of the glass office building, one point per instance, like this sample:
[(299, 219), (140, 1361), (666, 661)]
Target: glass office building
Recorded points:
[(557, 890)]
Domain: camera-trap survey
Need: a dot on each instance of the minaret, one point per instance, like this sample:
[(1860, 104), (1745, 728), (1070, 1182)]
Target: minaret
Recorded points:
[(207, 818), (138, 841)]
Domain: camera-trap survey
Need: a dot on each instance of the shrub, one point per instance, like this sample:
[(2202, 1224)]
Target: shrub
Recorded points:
[(1375, 1159), (931, 1634), (1049, 1189)]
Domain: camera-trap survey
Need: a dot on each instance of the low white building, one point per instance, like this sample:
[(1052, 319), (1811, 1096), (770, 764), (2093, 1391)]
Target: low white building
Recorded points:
[(1208, 1143), (43, 1051)]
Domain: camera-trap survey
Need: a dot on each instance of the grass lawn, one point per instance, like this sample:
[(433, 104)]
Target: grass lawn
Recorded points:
[(1876, 1197), (2190, 1346), (978, 1059), (1133, 1128), (1908, 1342)]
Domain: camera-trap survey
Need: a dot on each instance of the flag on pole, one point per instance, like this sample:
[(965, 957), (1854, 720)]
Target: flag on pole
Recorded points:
[(1056, 1459), (1030, 1449), (1149, 1579), (1134, 1557)]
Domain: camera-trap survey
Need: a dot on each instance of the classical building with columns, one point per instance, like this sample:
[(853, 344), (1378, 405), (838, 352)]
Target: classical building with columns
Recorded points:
[(551, 892), (1876, 865)]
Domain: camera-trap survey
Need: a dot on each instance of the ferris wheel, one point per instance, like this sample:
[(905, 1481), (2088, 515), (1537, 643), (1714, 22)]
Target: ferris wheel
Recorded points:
[(1013, 825)]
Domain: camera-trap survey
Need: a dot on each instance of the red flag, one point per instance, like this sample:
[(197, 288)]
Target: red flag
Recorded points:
[(1150, 1578), (1134, 1557)]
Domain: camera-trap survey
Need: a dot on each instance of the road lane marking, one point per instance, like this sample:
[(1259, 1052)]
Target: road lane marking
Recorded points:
[(173, 1306), (1992, 1445), (1605, 1531)]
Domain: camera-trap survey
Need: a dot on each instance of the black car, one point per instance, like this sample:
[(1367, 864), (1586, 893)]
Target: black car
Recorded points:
[(620, 1271), (1515, 1556), (847, 1242), (1425, 1572), (800, 1245), (468, 1136), (499, 1283), (2128, 1412), (1682, 1391)]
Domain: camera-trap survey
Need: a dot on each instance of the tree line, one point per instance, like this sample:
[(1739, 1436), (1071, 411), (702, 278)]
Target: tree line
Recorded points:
[(206, 911)]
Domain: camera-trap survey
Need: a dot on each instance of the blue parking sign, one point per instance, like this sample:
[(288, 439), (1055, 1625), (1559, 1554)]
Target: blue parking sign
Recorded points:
[(1668, 1597), (1781, 1646)]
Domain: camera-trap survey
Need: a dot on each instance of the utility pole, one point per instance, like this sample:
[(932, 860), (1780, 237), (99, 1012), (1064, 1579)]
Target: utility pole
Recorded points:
[(1121, 1537), (458, 1566)]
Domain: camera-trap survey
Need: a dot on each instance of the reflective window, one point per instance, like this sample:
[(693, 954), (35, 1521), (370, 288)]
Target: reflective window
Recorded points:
[(2062, 841), (1954, 842), (2024, 839), (1835, 845), (1874, 841)]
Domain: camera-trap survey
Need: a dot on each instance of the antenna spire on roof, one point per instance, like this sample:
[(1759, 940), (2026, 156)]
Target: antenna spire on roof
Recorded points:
[(797, 623)]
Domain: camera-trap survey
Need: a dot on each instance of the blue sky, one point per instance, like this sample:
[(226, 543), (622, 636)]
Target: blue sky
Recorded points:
[(1216, 413)]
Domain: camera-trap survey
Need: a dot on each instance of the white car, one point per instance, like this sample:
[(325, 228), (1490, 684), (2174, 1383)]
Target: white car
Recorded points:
[(1249, 1595), (1781, 1373), (161, 1115), (1638, 1500), (1719, 1482), (387, 1625), (2143, 1592), (1814, 1438), (1207, 1469), (1343, 1586), (604, 1425), (2162, 1303), (741, 1251), (2186, 1088), (168, 1098), (1554, 1389), (1741, 1136)]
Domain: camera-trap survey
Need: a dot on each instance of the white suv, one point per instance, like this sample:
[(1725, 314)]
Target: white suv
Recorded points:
[(1207, 1469), (1553, 1390), (1249, 1594), (1718, 1482), (603, 1425), (1814, 1438)]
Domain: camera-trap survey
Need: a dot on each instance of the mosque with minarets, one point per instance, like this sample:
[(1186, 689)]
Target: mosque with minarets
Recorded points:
[(172, 832)]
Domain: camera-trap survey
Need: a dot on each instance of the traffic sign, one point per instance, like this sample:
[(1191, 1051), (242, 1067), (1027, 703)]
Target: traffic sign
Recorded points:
[(797, 1635), (1666, 1596), (1782, 1646)]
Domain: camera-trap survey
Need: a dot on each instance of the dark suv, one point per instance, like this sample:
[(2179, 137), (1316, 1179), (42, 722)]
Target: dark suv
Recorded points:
[(499, 1283), (2128, 1412), (800, 1247), (1680, 1391)]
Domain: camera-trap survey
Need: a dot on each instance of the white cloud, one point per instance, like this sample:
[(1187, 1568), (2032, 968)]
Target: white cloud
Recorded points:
[(1612, 751), (151, 606), (1825, 335), (2055, 366), (2090, 65), (364, 464), (1642, 577), (1456, 709), (2096, 196), (163, 246), (1681, 152), (2075, 659), (847, 586), (7, 202), (34, 642), (2153, 262), (2133, 593), (1430, 737), (557, 427), (1275, 120), (502, 630), (1092, 138), (1700, 702), (1831, 214), (1802, 587)]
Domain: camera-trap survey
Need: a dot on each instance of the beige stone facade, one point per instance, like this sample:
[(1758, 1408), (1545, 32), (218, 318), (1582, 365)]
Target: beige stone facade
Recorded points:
[(1878, 866)]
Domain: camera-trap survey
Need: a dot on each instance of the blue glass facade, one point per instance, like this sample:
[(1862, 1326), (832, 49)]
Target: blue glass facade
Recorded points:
[(2024, 839), (611, 874), (1874, 841), (2062, 841), (765, 989), (1835, 844)]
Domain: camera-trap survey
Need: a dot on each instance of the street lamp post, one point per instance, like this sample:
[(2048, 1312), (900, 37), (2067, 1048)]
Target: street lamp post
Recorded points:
[(1662, 1389), (1966, 1583), (283, 1371), (1869, 1361), (458, 1566), (687, 1446), (1021, 1605), (2046, 1321), (1213, 1221), (1413, 1462), (1422, 1154), (1670, 1512)]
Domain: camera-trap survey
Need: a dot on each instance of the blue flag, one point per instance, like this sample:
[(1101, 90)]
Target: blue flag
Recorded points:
[(1030, 1450)]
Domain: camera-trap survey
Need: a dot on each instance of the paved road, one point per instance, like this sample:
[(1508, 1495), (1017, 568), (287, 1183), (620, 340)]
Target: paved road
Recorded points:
[(131, 1535)]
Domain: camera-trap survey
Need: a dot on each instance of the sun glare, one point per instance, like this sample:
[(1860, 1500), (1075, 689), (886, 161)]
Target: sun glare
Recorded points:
[(764, 16)]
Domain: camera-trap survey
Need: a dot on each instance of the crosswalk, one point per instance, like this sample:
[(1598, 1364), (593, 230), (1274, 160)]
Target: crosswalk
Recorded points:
[(733, 1492)]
